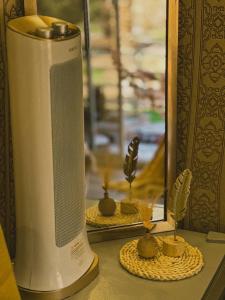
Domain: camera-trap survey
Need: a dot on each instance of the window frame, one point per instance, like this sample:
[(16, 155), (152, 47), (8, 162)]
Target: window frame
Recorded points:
[(125, 231)]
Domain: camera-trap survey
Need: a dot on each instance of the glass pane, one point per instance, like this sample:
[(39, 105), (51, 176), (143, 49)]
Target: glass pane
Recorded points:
[(124, 95), (128, 61)]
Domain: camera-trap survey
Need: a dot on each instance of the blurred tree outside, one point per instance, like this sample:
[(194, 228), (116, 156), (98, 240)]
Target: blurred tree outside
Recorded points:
[(142, 38), (69, 10)]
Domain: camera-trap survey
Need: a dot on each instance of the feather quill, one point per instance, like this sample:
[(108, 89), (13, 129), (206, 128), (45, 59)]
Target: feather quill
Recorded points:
[(179, 197), (130, 163)]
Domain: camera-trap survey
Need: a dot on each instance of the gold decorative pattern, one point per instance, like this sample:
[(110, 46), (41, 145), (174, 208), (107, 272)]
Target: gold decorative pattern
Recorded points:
[(184, 82), (8, 10), (161, 267), (201, 111)]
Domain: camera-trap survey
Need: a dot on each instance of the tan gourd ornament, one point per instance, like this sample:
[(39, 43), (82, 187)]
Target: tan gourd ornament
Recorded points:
[(129, 206), (147, 245), (175, 245), (106, 205)]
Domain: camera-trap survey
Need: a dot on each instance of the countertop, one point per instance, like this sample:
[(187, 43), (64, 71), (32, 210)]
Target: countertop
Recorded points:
[(115, 283)]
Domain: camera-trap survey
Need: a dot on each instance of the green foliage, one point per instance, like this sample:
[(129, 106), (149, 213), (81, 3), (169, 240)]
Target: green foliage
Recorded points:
[(69, 10)]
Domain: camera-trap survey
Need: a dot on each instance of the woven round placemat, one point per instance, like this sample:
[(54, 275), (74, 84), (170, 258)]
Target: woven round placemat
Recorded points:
[(161, 267), (94, 217)]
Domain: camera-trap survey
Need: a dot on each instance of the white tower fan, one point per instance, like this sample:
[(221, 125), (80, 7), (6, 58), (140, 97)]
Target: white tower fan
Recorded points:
[(53, 256)]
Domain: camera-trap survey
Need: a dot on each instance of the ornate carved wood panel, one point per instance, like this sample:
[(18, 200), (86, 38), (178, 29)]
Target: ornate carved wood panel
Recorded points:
[(201, 110), (8, 9)]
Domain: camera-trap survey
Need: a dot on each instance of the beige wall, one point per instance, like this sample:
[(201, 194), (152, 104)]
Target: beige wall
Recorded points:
[(8, 9)]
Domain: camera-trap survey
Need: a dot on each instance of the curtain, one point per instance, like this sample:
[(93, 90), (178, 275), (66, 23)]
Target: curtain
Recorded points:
[(201, 110), (8, 9)]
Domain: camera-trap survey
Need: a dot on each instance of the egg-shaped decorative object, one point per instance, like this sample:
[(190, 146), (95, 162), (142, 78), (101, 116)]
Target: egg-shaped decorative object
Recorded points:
[(107, 206), (147, 246)]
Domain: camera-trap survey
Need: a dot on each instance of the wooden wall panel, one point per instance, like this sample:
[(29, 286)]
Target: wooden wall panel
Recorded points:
[(201, 110), (8, 9)]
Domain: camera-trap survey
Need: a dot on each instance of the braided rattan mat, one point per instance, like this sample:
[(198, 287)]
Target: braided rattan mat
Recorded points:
[(161, 267), (94, 217)]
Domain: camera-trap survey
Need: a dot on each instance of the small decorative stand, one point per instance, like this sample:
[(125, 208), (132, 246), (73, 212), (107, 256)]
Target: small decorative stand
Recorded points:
[(172, 247), (165, 257)]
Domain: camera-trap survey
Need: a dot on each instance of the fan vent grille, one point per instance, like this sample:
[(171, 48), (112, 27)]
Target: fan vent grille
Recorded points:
[(68, 152)]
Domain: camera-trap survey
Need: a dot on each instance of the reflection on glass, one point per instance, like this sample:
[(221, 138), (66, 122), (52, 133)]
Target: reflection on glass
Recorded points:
[(128, 61)]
